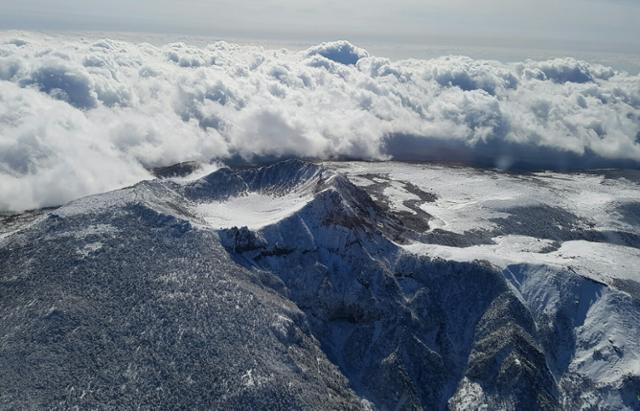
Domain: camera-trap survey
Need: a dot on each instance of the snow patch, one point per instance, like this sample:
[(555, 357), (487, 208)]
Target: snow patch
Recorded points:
[(599, 261), (90, 248), (253, 210), (469, 396)]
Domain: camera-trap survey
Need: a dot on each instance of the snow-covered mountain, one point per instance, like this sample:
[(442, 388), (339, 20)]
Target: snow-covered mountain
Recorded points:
[(344, 285)]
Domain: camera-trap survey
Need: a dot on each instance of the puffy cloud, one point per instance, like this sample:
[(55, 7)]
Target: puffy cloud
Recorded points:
[(341, 52), (51, 152), (64, 82), (79, 116), (468, 74), (563, 70)]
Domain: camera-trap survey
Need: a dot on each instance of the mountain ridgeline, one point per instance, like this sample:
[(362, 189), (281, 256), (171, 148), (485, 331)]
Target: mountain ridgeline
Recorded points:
[(138, 299)]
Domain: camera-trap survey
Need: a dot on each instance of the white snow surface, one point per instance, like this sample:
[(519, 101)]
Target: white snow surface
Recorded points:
[(608, 343), (599, 261), (253, 210), (468, 199)]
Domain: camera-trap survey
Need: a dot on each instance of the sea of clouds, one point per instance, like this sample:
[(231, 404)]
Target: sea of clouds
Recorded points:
[(80, 116)]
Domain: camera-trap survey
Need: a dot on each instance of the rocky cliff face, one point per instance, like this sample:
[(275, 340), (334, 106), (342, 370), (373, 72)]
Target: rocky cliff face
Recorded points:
[(158, 296)]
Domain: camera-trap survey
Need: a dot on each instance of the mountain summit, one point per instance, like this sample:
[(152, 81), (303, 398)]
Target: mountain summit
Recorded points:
[(323, 286)]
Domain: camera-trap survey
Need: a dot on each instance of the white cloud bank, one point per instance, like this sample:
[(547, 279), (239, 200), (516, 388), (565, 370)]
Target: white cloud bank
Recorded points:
[(80, 116)]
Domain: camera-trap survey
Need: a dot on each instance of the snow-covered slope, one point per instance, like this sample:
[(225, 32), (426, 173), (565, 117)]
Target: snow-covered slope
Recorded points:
[(588, 221), (568, 246), (290, 287)]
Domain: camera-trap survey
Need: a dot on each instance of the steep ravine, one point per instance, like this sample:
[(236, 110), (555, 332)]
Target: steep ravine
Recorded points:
[(152, 297)]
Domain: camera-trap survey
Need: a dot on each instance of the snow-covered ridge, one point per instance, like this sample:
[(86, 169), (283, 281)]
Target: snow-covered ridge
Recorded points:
[(536, 269), (329, 286), (262, 196), (256, 197)]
